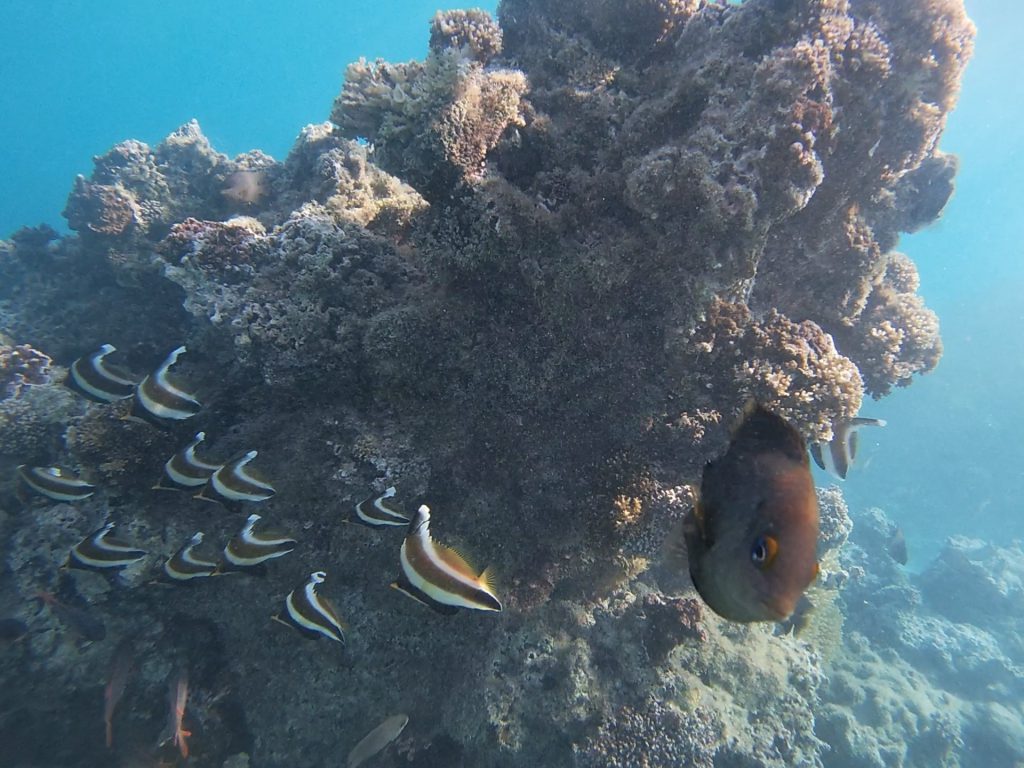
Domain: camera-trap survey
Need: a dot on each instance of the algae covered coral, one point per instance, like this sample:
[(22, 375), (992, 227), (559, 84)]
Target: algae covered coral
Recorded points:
[(530, 280)]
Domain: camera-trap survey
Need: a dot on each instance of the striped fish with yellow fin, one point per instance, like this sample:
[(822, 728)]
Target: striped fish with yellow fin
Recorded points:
[(438, 576)]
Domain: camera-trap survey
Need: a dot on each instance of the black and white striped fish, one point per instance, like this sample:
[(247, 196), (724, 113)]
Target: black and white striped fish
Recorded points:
[(159, 400), (837, 456), (52, 483), (186, 564), (380, 511), (235, 482), (184, 470), (251, 548), (435, 574), (101, 550), (312, 613), (93, 378)]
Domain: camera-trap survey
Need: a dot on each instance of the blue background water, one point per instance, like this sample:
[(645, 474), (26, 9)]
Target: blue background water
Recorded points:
[(77, 77)]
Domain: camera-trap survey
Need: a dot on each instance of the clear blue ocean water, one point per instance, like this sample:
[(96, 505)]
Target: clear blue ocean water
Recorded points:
[(76, 77)]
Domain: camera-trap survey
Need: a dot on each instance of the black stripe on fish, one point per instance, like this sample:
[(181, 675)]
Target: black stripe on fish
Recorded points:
[(161, 402), (53, 483), (401, 584), (101, 550), (185, 564), (377, 512), (92, 378), (184, 470), (311, 613), (251, 548), (235, 482)]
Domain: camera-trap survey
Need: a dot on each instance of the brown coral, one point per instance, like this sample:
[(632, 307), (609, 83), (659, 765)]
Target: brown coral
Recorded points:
[(20, 366), (101, 209), (474, 32)]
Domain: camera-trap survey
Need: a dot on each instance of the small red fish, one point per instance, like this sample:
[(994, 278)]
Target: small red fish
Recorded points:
[(121, 664), (179, 701)]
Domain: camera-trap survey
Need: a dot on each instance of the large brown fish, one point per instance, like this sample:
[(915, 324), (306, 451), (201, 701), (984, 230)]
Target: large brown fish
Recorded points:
[(751, 536)]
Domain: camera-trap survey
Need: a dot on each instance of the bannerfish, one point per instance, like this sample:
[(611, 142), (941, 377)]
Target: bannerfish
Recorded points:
[(92, 378), (376, 740), (81, 621), (380, 511), (102, 551), (186, 564), (751, 535), (837, 455), (235, 482), (434, 574), (121, 665), (251, 548), (897, 546), (245, 187), (53, 483), (184, 470), (312, 613), (161, 402)]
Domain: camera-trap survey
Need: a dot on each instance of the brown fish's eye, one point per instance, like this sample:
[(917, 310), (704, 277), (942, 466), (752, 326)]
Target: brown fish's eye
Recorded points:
[(763, 553)]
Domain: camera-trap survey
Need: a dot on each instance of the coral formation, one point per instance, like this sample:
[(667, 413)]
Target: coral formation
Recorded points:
[(529, 280)]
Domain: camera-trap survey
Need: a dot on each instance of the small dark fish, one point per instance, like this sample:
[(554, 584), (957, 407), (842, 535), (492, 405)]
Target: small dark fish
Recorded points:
[(750, 538), (92, 378), (311, 613), (837, 456), (121, 665), (897, 546), (12, 629), (381, 511), (251, 547), (235, 482), (53, 483), (100, 550), (79, 620), (184, 470), (161, 402), (435, 574)]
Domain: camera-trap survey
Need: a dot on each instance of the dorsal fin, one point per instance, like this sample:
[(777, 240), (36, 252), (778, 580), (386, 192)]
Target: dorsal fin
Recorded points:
[(762, 429), (454, 559), (488, 579)]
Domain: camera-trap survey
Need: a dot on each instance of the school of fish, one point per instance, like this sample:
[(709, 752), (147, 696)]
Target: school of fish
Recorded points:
[(749, 542)]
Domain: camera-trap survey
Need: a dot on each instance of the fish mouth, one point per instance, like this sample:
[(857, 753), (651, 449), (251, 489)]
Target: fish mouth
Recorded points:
[(778, 610)]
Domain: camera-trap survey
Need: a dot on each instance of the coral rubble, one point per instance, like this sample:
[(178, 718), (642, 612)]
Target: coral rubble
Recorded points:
[(530, 280)]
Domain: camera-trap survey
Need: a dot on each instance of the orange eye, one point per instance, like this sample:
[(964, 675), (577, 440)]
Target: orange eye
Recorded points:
[(763, 553)]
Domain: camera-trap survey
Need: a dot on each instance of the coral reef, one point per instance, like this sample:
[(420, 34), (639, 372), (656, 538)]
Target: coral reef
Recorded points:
[(530, 280)]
